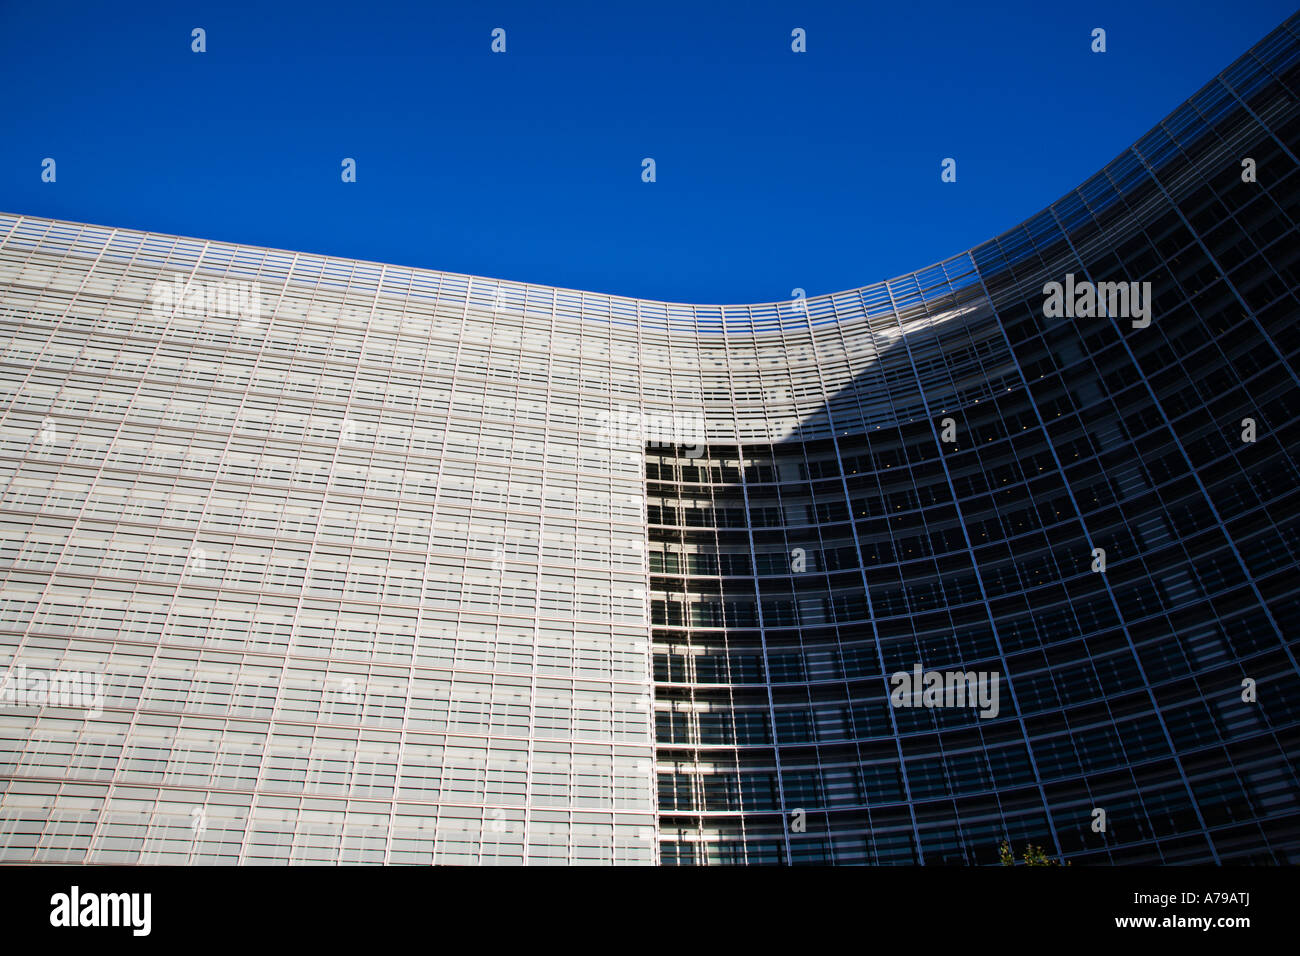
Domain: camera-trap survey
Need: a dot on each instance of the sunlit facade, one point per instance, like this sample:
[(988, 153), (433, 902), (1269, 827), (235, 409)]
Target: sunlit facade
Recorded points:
[(387, 565)]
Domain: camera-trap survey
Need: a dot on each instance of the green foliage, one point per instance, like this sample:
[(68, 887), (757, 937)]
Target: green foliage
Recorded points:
[(1033, 856)]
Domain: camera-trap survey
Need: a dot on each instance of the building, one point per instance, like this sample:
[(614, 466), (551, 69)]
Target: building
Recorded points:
[(315, 560)]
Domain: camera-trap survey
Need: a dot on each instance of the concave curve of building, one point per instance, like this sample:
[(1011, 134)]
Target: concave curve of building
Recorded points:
[(465, 592)]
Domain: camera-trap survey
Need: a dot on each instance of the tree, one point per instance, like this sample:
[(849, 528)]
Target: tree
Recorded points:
[(1033, 856)]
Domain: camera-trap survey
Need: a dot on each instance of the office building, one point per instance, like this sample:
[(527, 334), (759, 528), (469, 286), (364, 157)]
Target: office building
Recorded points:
[(310, 560)]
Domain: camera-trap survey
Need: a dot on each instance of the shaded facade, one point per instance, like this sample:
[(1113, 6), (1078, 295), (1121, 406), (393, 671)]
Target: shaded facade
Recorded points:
[(380, 564), (792, 579)]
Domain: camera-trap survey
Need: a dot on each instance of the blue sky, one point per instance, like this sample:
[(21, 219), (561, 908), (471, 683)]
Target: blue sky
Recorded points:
[(775, 170)]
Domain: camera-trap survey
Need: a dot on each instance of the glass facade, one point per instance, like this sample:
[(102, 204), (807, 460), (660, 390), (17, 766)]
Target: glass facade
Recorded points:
[(379, 564)]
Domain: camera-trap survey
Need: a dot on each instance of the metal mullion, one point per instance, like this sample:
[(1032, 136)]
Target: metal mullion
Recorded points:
[(875, 360), (848, 504), (133, 719), (284, 659), (1089, 541), (419, 619), (1068, 602), (649, 683), (979, 578), (1192, 472), (1165, 418), (762, 637), (530, 772)]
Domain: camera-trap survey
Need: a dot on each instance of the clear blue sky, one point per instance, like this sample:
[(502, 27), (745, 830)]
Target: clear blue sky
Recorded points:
[(775, 170)]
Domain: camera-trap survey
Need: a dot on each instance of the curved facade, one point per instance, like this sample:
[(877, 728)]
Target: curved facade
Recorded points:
[(377, 564)]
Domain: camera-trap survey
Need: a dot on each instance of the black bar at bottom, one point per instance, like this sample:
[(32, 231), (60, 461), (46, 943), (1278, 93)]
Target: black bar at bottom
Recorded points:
[(515, 907)]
